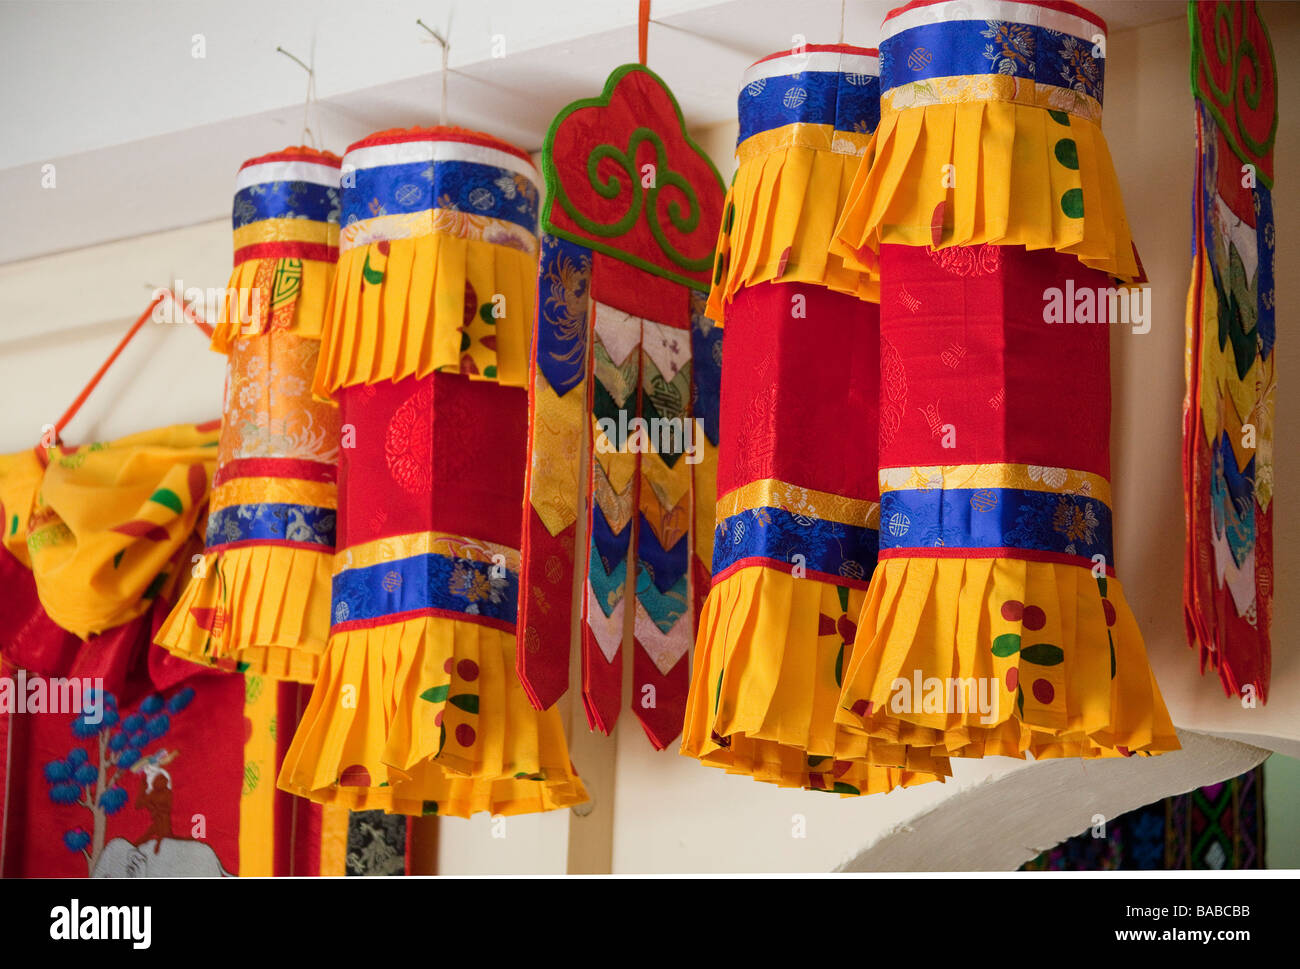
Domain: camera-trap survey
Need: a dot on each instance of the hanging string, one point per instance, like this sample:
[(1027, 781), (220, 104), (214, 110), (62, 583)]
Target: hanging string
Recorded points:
[(643, 29), (842, 4), (86, 391), (309, 100), (446, 53)]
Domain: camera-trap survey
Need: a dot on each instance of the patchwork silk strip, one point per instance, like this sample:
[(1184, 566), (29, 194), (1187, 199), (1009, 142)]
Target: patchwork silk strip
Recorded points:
[(623, 408)]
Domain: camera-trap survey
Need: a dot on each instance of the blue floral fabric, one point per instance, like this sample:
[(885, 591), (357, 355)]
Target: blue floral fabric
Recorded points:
[(271, 521), (461, 186), (960, 47), (424, 582), (1068, 524)]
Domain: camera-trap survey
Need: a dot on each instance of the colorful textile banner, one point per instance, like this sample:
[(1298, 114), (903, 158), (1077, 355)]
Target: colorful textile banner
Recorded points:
[(1228, 413), (625, 382)]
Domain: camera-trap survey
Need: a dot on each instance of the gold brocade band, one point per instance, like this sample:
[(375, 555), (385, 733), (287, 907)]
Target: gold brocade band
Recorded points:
[(822, 137), (287, 230), (822, 505), (1028, 477), (266, 490), (398, 547), (964, 88), (409, 225)]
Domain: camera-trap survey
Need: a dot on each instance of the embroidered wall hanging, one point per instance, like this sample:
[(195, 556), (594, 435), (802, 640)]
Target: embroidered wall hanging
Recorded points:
[(798, 500), (260, 599), (1231, 367), (150, 765), (624, 388), (418, 708), (996, 578), (1219, 827)]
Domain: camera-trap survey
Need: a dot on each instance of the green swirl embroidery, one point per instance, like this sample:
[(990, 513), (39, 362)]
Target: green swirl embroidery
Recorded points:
[(642, 201), (681, 209)]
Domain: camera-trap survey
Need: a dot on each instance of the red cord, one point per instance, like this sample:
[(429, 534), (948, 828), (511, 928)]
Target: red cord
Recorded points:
[(643, 29), (117, 351)]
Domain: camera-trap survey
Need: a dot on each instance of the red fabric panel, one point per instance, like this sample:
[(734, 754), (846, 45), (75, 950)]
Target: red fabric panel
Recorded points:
[(662, 722), (800, 393), (602, 683), (625, 287), (439, 453), (545, 620), (964, 343)]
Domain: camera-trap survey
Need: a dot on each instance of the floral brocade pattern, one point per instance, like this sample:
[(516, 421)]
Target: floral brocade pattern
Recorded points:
[(270, 411)]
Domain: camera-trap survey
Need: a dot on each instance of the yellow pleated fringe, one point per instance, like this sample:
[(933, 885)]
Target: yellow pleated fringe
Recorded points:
[(765, 689), (1033, 634), (262, 609), (407, 307), (988, 172), (427, 716), (299, 313), (780, 220)]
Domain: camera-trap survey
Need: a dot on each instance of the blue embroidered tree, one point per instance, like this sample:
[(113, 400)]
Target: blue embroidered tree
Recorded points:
[(94, 779)]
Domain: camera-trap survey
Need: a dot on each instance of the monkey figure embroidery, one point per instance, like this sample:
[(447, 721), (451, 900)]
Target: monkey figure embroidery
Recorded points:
[(155, 797)]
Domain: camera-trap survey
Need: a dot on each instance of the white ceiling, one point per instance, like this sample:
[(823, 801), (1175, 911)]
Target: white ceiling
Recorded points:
[(144, 136)]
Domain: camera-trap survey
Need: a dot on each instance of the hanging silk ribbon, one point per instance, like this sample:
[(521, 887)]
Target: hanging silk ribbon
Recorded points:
[(796, 533), (260, 599), (1228, 414), (994, 623), (417, 708), (625, 379)]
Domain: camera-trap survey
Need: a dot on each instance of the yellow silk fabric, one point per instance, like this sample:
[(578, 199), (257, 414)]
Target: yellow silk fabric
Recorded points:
[(427, 716), (976, 172), (988, 620), (107, 519)]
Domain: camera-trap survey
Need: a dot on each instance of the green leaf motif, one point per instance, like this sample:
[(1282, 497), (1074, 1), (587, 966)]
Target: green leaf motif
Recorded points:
[(717, 692), (843, 592), (373, 276), (436, 694), (839, 667), (1043, 654), (465, 701), (1008, 644), (168, 499)]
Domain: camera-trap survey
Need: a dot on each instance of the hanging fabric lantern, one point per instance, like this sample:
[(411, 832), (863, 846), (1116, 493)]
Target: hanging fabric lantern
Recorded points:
[(625, 372), (1228, 414), (994, 623), (796, 532), (417, 708), (260, 599)]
